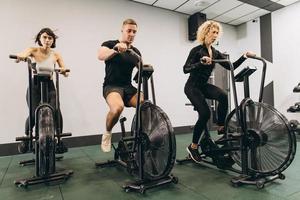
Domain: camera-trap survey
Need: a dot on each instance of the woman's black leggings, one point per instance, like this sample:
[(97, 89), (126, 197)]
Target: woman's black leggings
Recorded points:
[(36, 99), (198, 95)]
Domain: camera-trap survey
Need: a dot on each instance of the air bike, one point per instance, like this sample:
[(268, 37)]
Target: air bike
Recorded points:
[(148, 152), (258, 143), (46, 140)]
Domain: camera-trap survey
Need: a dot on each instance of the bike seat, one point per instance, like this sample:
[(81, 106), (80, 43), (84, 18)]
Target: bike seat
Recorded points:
[(297, 88), (294, 124), (295, 108), (189, 104)]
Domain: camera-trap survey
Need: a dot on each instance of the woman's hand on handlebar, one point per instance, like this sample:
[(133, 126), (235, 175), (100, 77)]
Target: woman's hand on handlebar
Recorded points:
[(205, 60), (249, 54), (19, 59), (64, 72)]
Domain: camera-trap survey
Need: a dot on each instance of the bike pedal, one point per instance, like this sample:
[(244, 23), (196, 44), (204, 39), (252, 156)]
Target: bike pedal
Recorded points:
[(23, 147), (61, 148)]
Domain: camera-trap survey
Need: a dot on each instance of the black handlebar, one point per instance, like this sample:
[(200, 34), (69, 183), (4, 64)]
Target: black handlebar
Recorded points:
[(129, 51), (263, 76), (220, 60), (59, 70), (28, 60), (115, 48), (255, 57), (13, 57), (134, 54), (259, 58), (251, 57)]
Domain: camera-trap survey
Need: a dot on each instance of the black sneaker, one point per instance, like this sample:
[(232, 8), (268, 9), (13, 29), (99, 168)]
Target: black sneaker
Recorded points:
[(23, 147), (194, 153), (61, 148), (221, 131), (297, 88)]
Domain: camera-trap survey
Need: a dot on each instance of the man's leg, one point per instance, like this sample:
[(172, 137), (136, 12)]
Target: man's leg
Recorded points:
[(133, 100), (116, 106)]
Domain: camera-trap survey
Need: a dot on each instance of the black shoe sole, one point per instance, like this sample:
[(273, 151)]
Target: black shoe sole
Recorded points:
[(191, 155)]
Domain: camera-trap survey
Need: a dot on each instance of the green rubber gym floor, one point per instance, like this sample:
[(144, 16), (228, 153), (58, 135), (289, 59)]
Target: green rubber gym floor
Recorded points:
[(87, 183)]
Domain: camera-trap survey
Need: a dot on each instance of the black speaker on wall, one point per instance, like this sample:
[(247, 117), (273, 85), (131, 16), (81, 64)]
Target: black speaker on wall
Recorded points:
[(195, 20)]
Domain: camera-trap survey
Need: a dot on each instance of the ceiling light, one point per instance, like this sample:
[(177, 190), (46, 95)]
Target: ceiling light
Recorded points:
[(201, 3)]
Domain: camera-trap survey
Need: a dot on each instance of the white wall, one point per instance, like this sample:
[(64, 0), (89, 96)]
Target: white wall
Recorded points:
[(286, 43), (82, 26), (284, 70), (248, 35)]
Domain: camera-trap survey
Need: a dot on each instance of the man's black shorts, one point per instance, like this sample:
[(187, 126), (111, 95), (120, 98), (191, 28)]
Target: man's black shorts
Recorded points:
[(126, 92)]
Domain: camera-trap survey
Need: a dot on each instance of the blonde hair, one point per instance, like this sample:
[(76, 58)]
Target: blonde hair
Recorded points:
[(204, 29), (129, 21)]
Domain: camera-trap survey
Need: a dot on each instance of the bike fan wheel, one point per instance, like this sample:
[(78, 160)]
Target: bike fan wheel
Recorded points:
[(159, 142), (271, 144), (46, 141)]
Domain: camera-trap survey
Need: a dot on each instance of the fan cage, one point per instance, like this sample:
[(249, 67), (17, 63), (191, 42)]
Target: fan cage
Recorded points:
[(160, 149), (272, 144)]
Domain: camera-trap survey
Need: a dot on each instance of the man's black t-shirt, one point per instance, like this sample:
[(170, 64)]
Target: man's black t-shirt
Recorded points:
[(118, 69)]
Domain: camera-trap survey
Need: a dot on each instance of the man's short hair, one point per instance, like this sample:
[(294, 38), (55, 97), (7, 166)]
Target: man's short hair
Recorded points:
[(129, 21)]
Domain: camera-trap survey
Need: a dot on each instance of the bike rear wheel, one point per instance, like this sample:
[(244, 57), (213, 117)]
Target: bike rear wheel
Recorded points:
[(46, 132), (271, 142), (159, 141)]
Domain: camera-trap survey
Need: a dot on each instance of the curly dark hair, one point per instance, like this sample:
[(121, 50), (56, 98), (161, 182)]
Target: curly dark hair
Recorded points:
[(49, 32)]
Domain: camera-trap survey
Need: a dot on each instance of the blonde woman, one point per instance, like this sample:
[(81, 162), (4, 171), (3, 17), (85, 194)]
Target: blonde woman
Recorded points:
[(199, 65)]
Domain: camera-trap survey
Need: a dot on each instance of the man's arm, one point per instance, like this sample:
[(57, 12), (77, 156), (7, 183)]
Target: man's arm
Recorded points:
[(106, 53)]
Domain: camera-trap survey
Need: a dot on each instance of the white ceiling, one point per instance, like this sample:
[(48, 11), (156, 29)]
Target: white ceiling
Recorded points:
[(232, 12)]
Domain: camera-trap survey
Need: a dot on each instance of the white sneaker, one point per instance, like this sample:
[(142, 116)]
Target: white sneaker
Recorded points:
[(106, 142)]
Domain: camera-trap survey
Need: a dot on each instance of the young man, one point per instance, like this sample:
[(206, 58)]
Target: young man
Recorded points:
[(117, 88)]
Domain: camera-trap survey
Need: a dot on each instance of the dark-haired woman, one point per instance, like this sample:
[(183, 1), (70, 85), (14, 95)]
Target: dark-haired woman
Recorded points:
[(45, 58)]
